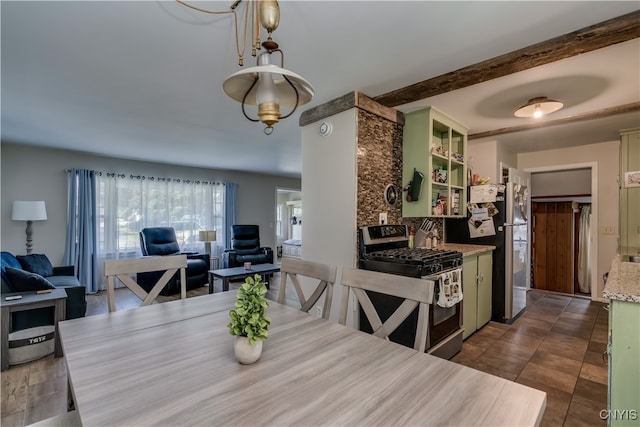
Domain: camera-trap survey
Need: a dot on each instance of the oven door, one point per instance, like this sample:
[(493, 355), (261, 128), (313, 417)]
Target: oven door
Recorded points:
[(442, 321)]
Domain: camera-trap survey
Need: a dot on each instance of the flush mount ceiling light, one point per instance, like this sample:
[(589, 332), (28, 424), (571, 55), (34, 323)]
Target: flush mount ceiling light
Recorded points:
[(268, 86), (538, 107)]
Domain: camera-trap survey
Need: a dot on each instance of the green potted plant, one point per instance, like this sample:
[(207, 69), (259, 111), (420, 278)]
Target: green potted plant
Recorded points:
[(249, 322)]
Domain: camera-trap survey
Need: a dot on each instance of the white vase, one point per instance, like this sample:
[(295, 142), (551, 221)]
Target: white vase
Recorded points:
[(247, 353)]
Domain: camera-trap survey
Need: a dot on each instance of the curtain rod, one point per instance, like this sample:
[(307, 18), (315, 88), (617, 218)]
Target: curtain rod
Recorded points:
[(154, 178)]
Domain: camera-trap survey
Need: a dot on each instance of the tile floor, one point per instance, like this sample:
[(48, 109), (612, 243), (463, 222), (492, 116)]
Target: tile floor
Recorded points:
[(555, 346)]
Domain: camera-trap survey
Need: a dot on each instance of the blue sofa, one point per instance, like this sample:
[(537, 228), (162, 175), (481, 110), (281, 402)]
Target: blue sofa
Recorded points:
[(30, 267)]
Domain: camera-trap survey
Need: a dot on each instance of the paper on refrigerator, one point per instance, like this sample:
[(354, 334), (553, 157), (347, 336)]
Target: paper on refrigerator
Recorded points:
[(481, 223)]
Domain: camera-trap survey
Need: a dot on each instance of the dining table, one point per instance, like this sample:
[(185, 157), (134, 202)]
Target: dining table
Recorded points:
[(173, 364)]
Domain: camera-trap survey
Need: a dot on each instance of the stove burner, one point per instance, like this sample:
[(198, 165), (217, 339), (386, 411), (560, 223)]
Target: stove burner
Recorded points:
[(412, 256), (391, 253)]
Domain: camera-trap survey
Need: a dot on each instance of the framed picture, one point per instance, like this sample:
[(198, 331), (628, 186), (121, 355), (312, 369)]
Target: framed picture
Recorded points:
[(391, 195), (632, 179)]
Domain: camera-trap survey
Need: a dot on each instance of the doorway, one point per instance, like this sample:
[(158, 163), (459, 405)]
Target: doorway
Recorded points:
[(561, 245), (564, 229), (288, 222)]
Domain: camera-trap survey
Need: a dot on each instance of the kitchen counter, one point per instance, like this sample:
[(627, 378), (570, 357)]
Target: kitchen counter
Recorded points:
[(623, 283), (467, 250)]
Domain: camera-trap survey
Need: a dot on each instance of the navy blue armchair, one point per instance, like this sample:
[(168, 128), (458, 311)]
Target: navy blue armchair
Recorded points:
[(245, 247), (162, 241)]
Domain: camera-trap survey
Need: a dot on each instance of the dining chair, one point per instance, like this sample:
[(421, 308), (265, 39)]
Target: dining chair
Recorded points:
[(124, 268), (291, 270), (415, 292)]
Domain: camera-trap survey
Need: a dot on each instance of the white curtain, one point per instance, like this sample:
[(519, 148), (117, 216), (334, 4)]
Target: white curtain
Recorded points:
[(127, 204), (584, 270)]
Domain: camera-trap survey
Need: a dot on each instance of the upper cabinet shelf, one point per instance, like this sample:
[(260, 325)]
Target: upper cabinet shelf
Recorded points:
[(435, 145)]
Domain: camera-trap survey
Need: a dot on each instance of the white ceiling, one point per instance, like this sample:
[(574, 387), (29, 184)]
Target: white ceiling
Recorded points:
[(143, 80)]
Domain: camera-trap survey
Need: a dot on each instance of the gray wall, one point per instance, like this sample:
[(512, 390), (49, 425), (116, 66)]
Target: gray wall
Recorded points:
[(36, 173)]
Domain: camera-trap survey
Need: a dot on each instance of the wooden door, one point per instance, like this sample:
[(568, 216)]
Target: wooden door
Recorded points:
[(539, 244), (553, 246)]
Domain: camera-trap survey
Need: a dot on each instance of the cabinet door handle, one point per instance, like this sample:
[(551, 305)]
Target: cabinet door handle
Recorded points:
[(481, 278)]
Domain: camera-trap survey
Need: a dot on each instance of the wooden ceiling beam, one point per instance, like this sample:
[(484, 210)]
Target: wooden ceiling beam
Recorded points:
[(598, 36)]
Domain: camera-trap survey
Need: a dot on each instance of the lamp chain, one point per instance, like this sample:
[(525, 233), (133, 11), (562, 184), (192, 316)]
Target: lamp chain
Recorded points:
[(255, 26)]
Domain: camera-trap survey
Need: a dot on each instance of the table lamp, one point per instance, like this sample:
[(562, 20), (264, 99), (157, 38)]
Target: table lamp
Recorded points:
[(29, 211), (207, 236)]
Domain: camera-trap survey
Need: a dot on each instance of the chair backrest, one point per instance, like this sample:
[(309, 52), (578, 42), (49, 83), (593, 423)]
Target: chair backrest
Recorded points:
[(292, 269), (245, 239), (124, 268), (415, 291), (159, 241)]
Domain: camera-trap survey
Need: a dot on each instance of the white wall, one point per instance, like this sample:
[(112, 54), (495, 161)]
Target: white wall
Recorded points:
[(485, 158), (36, 173), (606, 155), (329, 183)]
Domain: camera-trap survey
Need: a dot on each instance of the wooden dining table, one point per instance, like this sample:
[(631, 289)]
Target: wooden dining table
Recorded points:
[(173, 364)]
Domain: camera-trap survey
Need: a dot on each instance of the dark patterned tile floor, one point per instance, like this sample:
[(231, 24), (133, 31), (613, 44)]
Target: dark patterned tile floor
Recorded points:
[(555, 346)]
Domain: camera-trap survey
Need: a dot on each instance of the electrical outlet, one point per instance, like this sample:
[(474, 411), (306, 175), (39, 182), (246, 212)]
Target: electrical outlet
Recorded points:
[(319, 311), (608, 230), (382, 218)]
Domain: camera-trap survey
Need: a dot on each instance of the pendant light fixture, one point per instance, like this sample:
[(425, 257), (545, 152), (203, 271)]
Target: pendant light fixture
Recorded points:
[(538, 107), (267, 85)]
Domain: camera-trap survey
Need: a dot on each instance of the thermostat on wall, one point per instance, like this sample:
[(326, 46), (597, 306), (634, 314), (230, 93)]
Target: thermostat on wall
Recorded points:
[(326, 128)]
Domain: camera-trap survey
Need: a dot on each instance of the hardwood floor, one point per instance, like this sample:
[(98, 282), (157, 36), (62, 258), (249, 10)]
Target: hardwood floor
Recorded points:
[(555, 346)]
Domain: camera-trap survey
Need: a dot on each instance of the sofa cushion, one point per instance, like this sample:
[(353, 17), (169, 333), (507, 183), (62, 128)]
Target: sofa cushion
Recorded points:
[(8, 260), (36, 263), (25, 281)]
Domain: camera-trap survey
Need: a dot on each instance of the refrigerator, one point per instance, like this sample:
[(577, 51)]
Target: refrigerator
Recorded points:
[(511, 260)]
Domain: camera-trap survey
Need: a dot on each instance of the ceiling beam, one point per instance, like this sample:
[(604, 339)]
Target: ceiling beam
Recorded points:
[(605, 112), (597, 36)]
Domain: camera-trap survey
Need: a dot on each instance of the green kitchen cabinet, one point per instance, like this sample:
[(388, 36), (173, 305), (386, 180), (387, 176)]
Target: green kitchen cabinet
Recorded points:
[(624, 363), (629, 188), (434, 148), (476, 290)]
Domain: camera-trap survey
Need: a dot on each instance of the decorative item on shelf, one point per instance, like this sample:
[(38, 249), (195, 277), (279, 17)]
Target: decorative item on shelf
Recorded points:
[(249, 323), (458, 157), (440, 151), (267, 86), (440, 176), (26, 210)]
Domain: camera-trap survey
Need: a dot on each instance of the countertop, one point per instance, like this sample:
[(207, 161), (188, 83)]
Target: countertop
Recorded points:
[(623, 283), (467, 250)]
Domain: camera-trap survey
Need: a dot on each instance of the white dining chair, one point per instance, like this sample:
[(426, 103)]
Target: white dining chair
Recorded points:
[(415, 291), (124, 268), (291, 270)]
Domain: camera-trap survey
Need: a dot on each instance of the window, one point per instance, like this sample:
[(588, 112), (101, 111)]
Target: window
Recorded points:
[(126, 205)]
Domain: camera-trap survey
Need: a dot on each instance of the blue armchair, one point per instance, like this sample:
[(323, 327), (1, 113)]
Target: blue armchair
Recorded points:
[(245, 247), (162, 241)]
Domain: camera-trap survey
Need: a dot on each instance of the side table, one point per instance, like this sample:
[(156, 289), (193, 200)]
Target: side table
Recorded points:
[(57, 298)]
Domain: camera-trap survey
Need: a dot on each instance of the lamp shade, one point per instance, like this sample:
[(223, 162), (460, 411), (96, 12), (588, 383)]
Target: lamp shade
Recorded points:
[(207, 236), (29, 211), (237, 84), (538, 107)]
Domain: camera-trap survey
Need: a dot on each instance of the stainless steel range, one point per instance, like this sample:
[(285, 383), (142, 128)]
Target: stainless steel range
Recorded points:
[(385, 248)]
